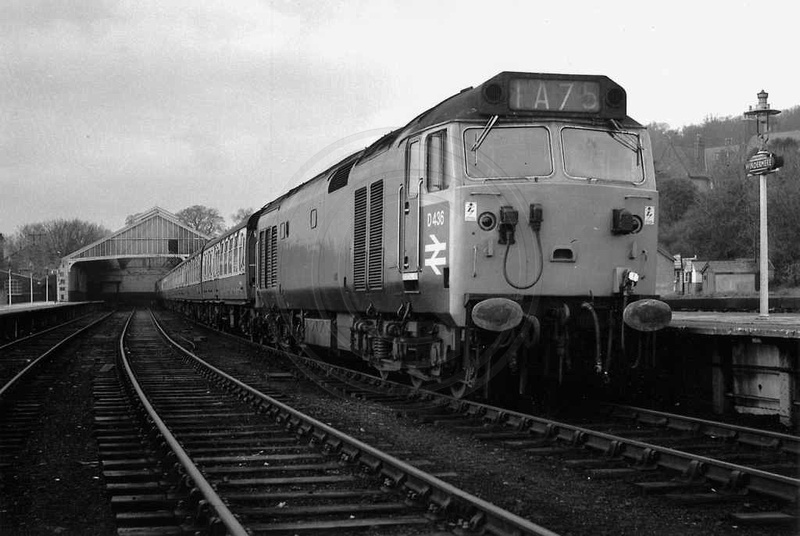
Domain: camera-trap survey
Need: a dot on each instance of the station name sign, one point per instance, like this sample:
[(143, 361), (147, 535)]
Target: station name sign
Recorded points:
[(763, 162)]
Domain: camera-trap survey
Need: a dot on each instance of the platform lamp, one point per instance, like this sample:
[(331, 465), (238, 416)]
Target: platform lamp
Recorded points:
[(762, 164)]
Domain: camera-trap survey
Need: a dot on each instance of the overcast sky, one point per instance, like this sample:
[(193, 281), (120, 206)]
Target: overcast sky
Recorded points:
[(111, 107)]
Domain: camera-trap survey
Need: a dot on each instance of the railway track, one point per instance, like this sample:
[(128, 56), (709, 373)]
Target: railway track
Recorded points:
[(32, 350), (686, 460), (705, 461), (242, 460), (26, 378)]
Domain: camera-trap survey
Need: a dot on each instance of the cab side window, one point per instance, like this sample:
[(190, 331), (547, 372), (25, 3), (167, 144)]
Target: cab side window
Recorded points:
[(436, 161), (413, 167)]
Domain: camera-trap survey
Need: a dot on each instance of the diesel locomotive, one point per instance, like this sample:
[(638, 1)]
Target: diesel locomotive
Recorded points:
[(509, 231)]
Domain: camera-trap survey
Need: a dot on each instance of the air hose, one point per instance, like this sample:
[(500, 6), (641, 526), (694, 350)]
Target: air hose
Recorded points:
[(541, 264)]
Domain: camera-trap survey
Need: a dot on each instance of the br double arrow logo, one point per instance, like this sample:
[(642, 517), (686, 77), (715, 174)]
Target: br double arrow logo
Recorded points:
[(435, 261)]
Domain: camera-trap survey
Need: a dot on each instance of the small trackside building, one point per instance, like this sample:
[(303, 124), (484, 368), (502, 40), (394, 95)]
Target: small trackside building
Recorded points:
[(125, 266)]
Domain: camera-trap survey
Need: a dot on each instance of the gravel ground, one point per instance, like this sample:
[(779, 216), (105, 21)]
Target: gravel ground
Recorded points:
[(541, 489), (57, 488)]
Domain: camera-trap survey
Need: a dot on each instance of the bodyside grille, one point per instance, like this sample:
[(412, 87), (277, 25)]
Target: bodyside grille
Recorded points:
[(375, 260), (368, 238), (360, 240)]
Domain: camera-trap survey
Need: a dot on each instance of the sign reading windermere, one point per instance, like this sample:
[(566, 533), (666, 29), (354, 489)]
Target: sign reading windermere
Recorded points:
[(763, 162)]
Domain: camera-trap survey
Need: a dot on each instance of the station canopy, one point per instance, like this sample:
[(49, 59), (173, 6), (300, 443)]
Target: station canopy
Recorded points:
[(125, 265)]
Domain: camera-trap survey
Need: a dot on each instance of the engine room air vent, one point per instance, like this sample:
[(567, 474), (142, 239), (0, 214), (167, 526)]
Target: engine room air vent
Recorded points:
[(262, 257), (268, 257), (272, 258), (340, 176), (368, 238), (360, 240), (375, 260)]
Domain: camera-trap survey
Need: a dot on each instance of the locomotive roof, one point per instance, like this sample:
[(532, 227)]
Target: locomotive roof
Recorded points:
[(275, 203), (470, 104)]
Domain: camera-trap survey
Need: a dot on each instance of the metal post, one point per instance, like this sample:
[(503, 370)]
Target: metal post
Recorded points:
[(31, 287), (763, 263), (762, 164), (9, 283)]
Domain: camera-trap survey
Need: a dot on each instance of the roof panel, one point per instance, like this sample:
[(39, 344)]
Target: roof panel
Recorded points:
[(150, 234)]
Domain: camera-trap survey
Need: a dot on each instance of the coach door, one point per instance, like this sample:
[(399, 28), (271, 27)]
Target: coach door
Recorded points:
[(410, 209)]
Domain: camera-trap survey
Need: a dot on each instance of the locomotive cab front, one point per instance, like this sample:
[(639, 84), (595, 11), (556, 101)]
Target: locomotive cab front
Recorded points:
[(535, 229)]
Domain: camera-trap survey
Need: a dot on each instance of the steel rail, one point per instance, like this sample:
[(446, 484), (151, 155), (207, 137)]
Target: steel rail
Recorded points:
[(213, 500), (753, 436), (481, 513), (13, 382), (733, 475), (43, 332)]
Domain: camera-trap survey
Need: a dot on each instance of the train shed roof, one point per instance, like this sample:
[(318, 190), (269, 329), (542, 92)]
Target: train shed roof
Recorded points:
[(153, 233)]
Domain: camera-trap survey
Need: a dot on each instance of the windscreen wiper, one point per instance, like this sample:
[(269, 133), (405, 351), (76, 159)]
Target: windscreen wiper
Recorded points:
[(486, 129), (626, 139)]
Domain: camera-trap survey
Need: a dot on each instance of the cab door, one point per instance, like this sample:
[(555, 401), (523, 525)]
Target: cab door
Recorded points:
[(410, 200)]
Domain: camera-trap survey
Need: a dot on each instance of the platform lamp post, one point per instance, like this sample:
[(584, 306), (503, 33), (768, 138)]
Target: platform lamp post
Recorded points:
[(762, 164)]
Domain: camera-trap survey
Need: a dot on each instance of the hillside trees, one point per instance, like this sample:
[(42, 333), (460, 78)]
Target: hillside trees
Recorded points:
[(723, 223), (677, 197), (783, 192)]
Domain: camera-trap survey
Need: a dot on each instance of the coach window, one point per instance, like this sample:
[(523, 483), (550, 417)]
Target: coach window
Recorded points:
[(223, 256), (229, 256), (413, 167), (223, 264), (436, 164)]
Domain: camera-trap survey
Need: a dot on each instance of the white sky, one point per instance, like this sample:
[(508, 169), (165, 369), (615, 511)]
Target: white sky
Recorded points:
[(111, 107)]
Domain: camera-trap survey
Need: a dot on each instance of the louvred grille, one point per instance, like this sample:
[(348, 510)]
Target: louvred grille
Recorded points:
[(368, 238)]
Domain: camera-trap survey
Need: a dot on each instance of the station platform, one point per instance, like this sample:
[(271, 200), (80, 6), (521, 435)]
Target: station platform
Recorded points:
[(749, 363), (22, 307), (779, 325), (21, 319)]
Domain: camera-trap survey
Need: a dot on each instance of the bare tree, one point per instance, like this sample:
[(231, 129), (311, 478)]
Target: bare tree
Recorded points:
[(203, 219), (39, 247)]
